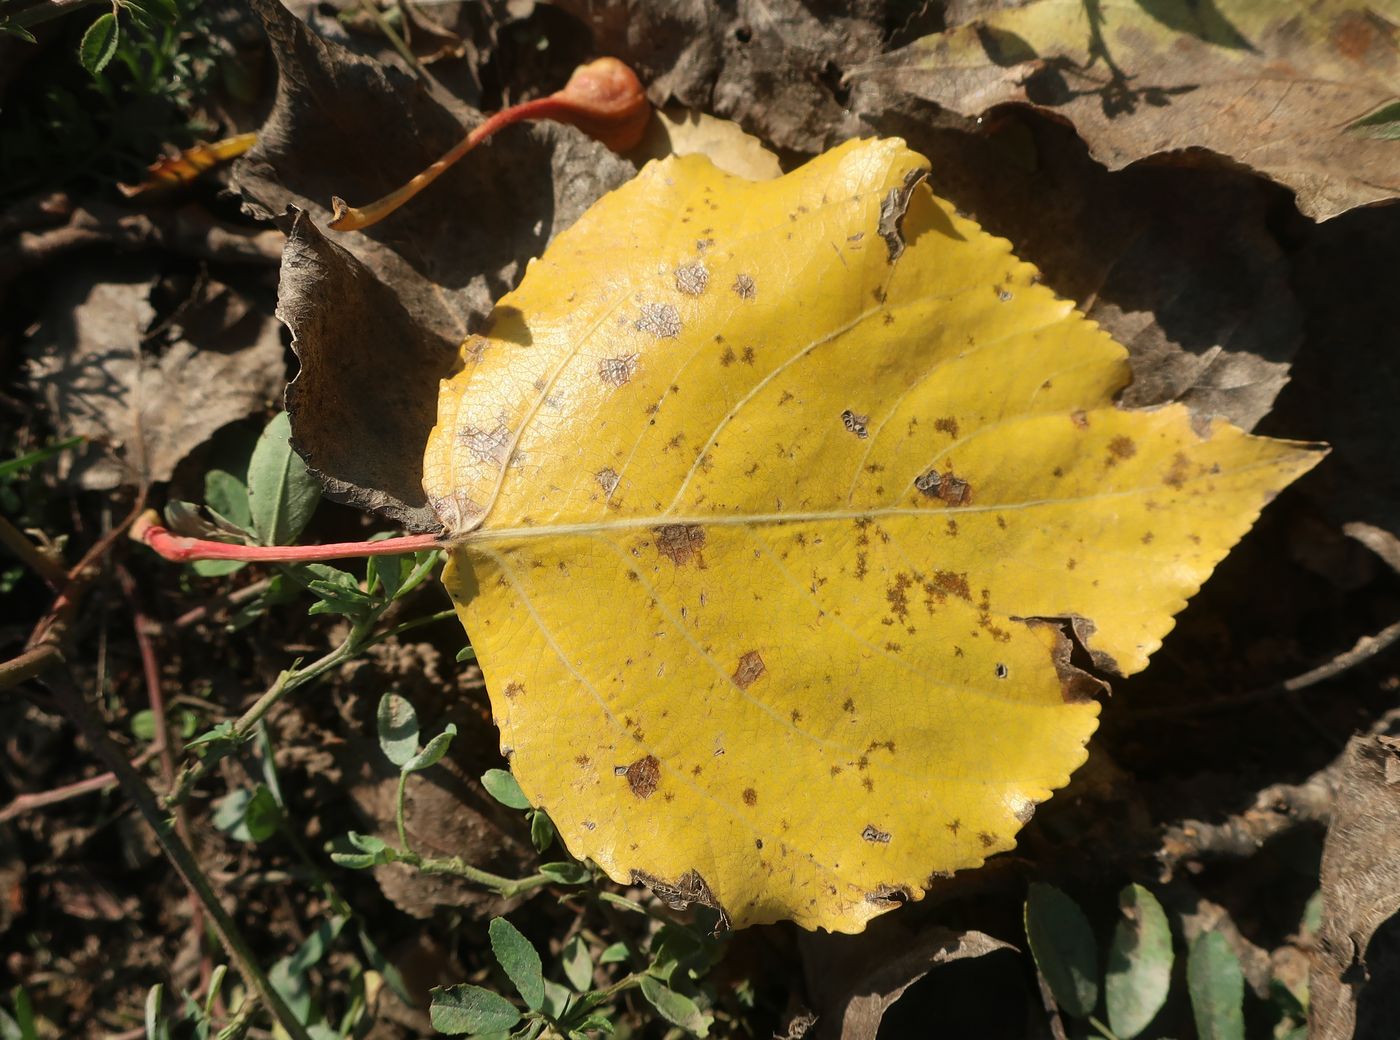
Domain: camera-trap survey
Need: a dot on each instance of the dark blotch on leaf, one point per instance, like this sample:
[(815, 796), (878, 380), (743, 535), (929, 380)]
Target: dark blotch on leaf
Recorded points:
[(643, 776)]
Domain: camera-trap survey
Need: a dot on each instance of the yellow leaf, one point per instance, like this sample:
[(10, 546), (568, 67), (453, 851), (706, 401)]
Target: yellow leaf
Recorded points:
[(764, 492)]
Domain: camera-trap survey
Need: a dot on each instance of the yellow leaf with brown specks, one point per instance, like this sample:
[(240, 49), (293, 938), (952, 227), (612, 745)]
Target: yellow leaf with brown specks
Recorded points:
[(778, 506)]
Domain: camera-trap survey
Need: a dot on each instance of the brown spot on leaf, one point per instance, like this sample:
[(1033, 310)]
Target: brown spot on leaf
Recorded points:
[(744, 287), (747, 356), (892, 210), (987, 840), (514, 689), (643, 775), (689, 888), (582, 760), (1076, 685), (615, 371), (889, 895), (874, 834), (607, 479), (751, 666), (679, 543), (750, 796), (486, 445), (728, 357), (948, 426), (854, 423), (1121, 448), (897, 596), (849, 706), (1176, 477), (948, 583), (948, 487), (660, 319), (1080, 420), (954, 826), (692, 278)]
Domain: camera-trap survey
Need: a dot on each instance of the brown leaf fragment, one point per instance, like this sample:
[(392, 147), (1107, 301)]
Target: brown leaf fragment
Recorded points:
[(689, 888), (856, 980), (366, 395), (1355, 984), (147, 396)]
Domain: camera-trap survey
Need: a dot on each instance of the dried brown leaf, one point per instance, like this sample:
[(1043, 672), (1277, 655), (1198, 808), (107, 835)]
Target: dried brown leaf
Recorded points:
[(1276, 88), (148, 397)]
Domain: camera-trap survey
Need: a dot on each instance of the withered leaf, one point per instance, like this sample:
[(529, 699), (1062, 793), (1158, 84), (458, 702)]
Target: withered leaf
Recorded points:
[(1276, 87), (148, 397)]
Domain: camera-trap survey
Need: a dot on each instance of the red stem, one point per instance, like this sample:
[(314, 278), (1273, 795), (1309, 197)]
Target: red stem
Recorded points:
[(180, 549)]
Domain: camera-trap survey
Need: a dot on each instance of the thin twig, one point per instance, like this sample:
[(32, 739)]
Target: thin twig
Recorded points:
[(26, 803), (31, 555), (81, 714), (1366, 648), (215, 604)]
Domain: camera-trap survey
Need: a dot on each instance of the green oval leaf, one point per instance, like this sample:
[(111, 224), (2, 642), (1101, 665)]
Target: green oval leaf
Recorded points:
[(262, 814), (1062, 944), (456, 1010), (1216, 983), (542, 831), (567, 873), (282, 493), (674, 1007), (99, 43), (397, 723), (519, 960), (432, 754), (1139, 972), (501, 786), (578, 964)]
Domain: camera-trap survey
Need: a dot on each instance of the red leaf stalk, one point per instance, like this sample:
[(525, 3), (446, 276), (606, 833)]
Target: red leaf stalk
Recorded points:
[(180, 549)]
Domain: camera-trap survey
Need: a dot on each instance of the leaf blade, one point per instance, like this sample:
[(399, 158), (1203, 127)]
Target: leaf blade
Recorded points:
[(520, 961), (1064, 948), (1139, 972)]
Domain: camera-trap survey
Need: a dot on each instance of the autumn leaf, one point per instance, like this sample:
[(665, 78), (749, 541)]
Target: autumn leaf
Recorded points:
[(777, 506), (1301, 93)]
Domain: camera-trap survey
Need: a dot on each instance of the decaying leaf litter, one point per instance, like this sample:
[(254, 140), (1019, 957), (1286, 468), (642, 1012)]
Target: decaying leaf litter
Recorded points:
[(1327, 562)]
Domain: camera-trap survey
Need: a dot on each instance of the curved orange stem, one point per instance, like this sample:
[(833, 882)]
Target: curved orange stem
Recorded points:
[(604, 99)]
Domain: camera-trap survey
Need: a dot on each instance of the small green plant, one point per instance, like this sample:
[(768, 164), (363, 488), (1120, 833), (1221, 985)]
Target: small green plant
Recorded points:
[(576, 997), (1137, 979), (137, 73)]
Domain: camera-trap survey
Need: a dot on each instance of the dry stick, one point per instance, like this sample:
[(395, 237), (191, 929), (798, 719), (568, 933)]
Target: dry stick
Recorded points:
[(150, 668), (215, 604), (181, 858), (1276, 810), (25, 803), (1366, 648), (31, 555)]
